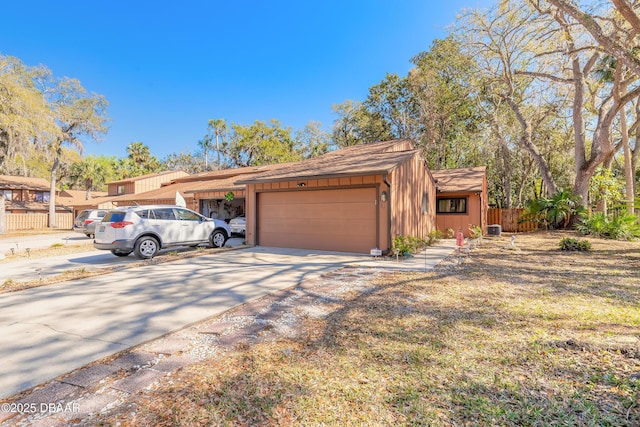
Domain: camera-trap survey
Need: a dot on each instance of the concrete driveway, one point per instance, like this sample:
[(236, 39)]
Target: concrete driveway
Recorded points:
[(27, 269), (54, 329)]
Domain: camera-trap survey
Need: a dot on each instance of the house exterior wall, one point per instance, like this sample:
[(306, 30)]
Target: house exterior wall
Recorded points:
[(140, 185), (477, 209), (129, 188), (410, 183)]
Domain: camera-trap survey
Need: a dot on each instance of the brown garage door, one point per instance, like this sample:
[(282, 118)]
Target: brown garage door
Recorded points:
[(331, 220)]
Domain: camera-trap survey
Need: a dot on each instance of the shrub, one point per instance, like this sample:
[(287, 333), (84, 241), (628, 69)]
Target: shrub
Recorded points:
[(434, 236), (475, 231), (406, 246), (449, 233), (622, 226), (572, 244), (554, 212)]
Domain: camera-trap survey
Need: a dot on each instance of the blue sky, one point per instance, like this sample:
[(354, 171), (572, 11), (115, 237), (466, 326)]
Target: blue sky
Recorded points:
[(166, 68)]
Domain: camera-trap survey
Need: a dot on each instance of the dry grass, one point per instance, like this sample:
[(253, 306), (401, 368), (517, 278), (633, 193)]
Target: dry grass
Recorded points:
[(526, 337), (54, 250)]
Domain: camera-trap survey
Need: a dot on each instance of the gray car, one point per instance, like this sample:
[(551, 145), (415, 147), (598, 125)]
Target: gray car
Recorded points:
[(87, 220), (145, 230)]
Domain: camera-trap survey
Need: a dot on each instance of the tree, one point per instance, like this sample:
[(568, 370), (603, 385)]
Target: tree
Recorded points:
[(91, 172), (507, 46), (444, 106), (615, 39), (25, 117), (595, 100), (356, 125), (260, 144), (313, 140), (186, 162), (139, 161), (219, 129), (77, 114), (392, 103)]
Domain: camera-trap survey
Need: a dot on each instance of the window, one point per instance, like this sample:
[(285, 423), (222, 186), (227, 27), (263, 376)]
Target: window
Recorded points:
[(188, 215), (42, 196), (120, 189), (146, 214), (425, 203), (164, 213), (7, 194), (452, 205)]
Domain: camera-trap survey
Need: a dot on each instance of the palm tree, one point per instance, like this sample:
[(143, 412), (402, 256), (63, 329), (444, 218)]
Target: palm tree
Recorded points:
[(206, 145), (89, 172), (219, 128), (142, 159)]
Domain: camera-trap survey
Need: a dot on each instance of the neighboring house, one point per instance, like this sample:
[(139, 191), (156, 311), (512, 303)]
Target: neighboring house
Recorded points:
[(214, 194), (127, 190), (462, 199), (27, 195), (143, 183), (73, 197), (352, 200)]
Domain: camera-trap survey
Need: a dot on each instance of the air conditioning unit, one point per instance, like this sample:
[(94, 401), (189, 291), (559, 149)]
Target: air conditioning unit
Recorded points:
[(494, 230)]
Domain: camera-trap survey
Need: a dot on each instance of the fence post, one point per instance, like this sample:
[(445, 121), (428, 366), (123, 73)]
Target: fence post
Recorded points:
[(3, 216)]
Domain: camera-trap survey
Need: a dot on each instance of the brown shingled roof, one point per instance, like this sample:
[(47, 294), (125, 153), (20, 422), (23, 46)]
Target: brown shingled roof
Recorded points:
[(459, 180), (216, 175), (77, 197), (165, 192), (9, 182), (147, 176), (352, 161)]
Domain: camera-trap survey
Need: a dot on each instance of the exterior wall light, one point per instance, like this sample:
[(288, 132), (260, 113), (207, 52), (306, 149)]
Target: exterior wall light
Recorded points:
[(383, 196)]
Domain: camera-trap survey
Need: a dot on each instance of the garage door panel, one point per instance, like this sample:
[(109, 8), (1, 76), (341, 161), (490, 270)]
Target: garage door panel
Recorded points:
[(339, 220)]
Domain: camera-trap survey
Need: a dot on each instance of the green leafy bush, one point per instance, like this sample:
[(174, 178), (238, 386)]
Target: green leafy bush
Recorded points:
[(554, 212), (475, 231), (434, 236), (572, 244), (406, 246), (622, 226)]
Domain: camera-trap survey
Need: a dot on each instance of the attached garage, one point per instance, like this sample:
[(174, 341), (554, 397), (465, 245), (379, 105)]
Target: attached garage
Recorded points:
[(350, 200), (331, 219)]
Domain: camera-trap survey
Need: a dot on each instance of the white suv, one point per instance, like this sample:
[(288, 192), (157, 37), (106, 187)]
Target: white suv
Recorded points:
[(147, 229)]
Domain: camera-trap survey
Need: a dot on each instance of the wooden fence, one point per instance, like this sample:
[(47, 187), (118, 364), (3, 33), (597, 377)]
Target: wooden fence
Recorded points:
[(36, 221), (508, 220)]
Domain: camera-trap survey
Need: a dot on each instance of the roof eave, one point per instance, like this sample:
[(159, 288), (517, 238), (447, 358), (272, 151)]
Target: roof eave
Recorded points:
[(321, 176)]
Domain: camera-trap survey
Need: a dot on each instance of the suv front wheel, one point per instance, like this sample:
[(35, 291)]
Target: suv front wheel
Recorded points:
[(146, 247), (218, 238)]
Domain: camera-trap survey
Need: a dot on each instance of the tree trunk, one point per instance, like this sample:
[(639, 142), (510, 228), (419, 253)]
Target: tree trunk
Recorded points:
[(52, 193), (629, 171), (532, 149), (506, 158), (581, 184)]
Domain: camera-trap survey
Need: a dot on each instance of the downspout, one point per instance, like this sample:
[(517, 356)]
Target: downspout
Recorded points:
[(385, 179)]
